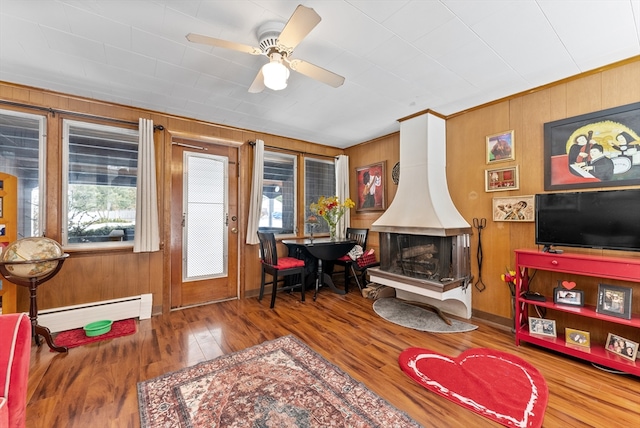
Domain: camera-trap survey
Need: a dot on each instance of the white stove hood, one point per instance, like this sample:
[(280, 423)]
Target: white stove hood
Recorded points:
[(422, 204)]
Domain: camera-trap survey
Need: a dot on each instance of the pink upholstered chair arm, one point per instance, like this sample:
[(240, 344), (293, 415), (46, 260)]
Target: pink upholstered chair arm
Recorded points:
[(4, 412), (15, 355)]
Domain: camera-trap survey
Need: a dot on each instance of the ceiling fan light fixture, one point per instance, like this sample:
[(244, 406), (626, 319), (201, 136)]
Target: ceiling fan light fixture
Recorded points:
[(275, 73)]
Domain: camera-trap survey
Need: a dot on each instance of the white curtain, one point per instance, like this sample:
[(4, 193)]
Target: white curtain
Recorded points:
[(342, 191), (147, 230), (255, 205)]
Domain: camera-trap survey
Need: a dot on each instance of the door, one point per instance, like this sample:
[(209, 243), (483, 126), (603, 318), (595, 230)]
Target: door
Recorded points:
[(204, 223)]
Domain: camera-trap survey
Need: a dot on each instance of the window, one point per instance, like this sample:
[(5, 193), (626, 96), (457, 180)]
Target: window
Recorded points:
[(101, 165), (319, 180), (278, 214), (22, 143)]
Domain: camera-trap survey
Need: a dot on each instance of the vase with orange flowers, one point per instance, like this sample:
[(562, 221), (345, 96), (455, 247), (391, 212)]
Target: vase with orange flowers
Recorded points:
[(331, 210), (509, 277)]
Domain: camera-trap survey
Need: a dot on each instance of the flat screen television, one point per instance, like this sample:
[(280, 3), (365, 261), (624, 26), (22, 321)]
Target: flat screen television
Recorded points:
[(608, 219)]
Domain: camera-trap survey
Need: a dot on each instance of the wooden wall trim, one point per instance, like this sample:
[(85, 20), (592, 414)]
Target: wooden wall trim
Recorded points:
[(549, 85)]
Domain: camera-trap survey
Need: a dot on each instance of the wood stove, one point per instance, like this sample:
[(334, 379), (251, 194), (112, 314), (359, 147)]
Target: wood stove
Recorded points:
[(434, 267), (439, 259), (424, 240)]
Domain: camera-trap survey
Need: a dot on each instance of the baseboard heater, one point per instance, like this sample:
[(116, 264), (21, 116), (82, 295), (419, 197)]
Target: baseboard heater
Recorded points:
[(70, 317)]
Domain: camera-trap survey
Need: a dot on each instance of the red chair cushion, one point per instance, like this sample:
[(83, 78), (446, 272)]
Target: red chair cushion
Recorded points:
[(345, 258), (288, 262)]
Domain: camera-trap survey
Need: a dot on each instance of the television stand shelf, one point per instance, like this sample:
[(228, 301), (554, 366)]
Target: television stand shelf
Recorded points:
[(625, 269)]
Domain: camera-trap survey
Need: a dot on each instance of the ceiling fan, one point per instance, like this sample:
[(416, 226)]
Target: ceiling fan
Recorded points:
[(277, 42)]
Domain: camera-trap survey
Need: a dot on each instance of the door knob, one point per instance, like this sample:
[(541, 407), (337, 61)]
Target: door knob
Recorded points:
[(234, 230)]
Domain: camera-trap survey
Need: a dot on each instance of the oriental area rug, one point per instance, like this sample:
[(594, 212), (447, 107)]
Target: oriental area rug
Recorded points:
[(279, 383), (77, 337), (494, 384)]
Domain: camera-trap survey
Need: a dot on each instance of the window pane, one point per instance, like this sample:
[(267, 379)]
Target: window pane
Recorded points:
[(22, 155), (101, 164), (278, 194), (319, 180)]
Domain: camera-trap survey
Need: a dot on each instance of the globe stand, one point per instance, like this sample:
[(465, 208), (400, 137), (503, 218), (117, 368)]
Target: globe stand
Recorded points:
[(32, 283)]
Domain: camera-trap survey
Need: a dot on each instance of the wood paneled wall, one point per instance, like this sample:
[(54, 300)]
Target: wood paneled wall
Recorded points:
[(526, 114), (385, 149), (90, 276), (93, 276)]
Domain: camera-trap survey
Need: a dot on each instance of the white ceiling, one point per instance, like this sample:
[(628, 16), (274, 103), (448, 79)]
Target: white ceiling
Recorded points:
[(399, 57)]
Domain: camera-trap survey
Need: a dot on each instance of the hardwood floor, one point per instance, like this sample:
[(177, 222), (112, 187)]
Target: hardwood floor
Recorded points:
[(95, 385)]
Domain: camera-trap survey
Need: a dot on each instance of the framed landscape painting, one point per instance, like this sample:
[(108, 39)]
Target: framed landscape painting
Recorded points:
[(593, 150)]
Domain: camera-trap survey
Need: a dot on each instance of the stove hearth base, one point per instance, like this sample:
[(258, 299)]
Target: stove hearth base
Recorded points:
[(453, 297)]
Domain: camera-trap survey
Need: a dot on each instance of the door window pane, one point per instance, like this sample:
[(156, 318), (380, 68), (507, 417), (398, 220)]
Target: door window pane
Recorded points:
[(319, 180), (205, 231), (101, 165), (278, 194), (22, 142)]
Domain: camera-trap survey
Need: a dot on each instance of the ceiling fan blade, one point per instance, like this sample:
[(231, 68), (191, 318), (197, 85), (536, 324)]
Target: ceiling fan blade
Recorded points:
[(206, 40), (258, 83), (303, 20), (318, 73)]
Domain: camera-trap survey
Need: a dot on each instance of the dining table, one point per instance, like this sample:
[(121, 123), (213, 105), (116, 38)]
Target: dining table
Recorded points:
[(318, 251)]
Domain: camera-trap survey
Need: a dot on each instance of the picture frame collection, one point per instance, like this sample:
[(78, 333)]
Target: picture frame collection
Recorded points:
[(500, 147), (612, 300)]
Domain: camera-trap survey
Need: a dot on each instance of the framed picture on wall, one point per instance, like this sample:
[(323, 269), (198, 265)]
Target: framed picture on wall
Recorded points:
[(500, 147), (371, 187), (593, 150), (499, 179), (515, 208)]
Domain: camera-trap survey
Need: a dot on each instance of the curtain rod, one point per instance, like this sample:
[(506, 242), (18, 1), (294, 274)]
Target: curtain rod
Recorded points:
[(253, 143), (73, 113)]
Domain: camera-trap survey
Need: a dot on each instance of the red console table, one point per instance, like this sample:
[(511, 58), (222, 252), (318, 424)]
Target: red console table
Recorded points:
[(625, 269)]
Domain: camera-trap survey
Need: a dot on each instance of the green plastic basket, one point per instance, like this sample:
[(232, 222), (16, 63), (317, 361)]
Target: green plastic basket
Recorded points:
[(97, 328)]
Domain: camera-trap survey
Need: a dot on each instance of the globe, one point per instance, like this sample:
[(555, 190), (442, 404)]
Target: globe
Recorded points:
[(28, 249)]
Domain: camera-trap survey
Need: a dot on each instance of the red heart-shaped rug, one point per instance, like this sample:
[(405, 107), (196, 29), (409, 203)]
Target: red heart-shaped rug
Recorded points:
[(494, 384), (568, 284)]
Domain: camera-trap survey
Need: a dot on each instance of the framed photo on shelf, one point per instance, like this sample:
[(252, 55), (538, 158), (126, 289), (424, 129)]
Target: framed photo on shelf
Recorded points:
[(621, 346), (614, 300), (500, 147), (542, 327), (563, 296), (515, 208), (499, 179), (577, 337), (371, 187)]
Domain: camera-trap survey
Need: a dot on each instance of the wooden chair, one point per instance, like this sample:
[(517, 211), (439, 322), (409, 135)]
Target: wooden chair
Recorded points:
[(359, 235), (279, 268)]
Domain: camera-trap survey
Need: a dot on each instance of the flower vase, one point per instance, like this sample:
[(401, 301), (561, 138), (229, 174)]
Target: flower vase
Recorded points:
[(332, 232)]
